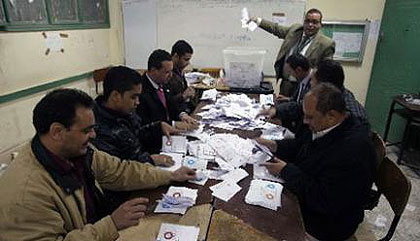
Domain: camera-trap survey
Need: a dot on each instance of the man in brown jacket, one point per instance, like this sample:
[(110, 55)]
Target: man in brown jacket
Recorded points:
[(299, 39), (52, 191)]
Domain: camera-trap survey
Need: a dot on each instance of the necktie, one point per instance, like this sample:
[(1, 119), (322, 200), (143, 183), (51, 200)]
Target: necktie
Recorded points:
[(301, 87), (161, 96), (303, 42)]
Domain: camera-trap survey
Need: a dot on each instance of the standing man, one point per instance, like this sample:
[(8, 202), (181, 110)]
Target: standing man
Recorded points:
[(157, 101), (183, 95), (304, 39), (53, 190)]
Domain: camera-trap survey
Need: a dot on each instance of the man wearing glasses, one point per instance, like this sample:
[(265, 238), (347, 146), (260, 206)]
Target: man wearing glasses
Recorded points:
[(298, 39)]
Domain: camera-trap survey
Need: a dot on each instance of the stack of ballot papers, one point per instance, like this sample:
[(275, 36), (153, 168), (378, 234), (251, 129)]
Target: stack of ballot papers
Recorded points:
[(225, 190), (264, 193), (177, 200), (175, 232)]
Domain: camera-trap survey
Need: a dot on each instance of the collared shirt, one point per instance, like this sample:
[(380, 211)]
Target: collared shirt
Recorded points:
[(322, 133), (156, 86), (76, 169), (302, 86)]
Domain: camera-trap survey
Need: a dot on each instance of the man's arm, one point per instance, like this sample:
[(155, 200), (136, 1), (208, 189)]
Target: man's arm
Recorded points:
[(274, 28)]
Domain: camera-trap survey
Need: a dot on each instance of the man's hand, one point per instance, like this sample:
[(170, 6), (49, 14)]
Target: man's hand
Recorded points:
[(253, 19), (275, 166), (269, 112), (184, 126), (183, 174), (162, 160), (129, 213), (189, 120), (272, 145), (167, 130), (282, 98), (188, 93)]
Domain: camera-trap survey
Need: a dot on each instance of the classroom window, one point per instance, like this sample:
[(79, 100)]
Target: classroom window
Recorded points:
[(35, 15)]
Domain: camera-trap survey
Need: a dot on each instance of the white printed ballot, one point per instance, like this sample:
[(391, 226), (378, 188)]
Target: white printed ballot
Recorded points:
[(177, 144), (177, 200), (235, 175), (175, 232), (176, 157), (195, 163), (201, 178), (225, 190), (261, 172), (264, 193)]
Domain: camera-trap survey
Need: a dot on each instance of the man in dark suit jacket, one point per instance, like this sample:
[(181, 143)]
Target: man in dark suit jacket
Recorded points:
[(304, 39), (184, 95), (157, 102), (330, 168)]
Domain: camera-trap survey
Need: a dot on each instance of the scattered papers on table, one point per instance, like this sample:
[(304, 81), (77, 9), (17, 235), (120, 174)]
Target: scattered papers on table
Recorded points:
[(194, 77), (235, 175), (175, 232), (210, 94), (225, 190), (177, 200), (201, 150), (261, 172), (264, 193), (177, 144)]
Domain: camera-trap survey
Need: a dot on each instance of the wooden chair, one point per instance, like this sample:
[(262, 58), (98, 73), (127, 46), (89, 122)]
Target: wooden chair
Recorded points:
[(396, 188), (98, 77)]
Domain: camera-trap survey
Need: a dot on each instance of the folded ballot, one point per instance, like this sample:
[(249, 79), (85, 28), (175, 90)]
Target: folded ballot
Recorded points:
[(264, 193), (177, 200)]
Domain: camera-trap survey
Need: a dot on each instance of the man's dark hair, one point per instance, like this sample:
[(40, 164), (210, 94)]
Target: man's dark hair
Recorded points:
[(314, 10), (330, 71), (329, 97), (120, 79), (298, 60), (181, 47), (156, 59), (59, 106)]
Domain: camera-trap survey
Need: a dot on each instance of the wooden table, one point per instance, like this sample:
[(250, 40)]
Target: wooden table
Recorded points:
[(219, 220)]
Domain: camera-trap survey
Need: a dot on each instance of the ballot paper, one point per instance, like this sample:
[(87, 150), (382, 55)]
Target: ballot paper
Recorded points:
[(175, 232), (216, 174), (176, 157), (261, 172), (201, 150), (225, 190), (201, 177), (195, 163), (266, 99), (245, 20), (209, 95), (264, 193), (235, 175), (177, 200), (178, 144)]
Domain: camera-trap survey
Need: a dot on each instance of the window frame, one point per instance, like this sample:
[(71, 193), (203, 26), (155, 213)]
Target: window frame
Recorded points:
[(10, 26)]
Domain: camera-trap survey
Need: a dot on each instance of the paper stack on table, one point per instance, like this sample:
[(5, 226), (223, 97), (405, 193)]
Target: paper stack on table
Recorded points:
[(264, 193), (178, 144), (225, 190), (177, 200), (175, 232)]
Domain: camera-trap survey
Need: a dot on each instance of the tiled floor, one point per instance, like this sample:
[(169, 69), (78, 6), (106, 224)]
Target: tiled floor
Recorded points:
[(408, 228)]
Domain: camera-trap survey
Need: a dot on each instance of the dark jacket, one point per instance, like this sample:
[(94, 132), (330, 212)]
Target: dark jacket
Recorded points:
[(151, 108), (177, 85), (124, 136), (331, 177)]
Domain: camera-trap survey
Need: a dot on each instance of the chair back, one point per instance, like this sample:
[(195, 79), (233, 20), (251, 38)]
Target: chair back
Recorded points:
[(396, 188), (379, 145)]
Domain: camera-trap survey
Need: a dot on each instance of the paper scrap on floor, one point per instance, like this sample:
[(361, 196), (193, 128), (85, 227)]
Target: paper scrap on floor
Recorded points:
[(264, 193), (178, 144), (225, 190), (175, 232), (183, 198)]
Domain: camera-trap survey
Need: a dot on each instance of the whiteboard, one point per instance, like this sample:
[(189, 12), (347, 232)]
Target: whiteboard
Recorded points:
[(209, 26)]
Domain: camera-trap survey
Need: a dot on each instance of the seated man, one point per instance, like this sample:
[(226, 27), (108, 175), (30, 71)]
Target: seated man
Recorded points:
[(289, 110), (330, 71), (330, 169), (183, 95), (119, 131), (52, 190), (157, 103)]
